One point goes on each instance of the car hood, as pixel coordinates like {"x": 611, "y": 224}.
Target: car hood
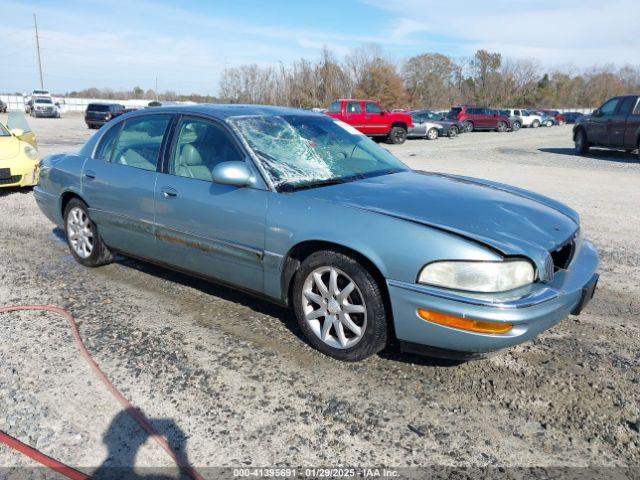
{"x": 508, "y": 219}
{"x": 9, "y": 147}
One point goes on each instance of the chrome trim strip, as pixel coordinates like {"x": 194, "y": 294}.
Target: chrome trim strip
{"x": 544, "y": 295}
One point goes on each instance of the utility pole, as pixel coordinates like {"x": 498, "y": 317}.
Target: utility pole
{"x": 156, "y": 89}
{"x": 35, "y": 24}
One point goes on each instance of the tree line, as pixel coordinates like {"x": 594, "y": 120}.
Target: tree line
{"x": 429, "y": 80}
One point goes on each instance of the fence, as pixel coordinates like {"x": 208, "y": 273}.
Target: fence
{"x": 18, "y": 102}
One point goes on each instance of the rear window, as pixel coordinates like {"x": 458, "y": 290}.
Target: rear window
{"x": 97, "y": 107}
{"x": 453, "y": 113}
{"x": 335, "y": 107}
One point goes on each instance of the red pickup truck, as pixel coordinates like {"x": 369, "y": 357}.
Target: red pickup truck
{"x": 371, "y": 119}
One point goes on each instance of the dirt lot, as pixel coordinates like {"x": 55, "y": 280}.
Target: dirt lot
{"x": 230, "y": 380}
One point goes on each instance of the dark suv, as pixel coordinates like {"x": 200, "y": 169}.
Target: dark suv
{"x": 98, "y": 114}
{"x": 479, "y": 118}
{"x": 616, "y": 124}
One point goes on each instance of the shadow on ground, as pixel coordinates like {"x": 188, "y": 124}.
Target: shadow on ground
{"x": 123, "y": 439}
{"x": 597, "y": 154}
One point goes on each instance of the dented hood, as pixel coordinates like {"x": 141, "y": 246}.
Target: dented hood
{"x": 508, "y": 219}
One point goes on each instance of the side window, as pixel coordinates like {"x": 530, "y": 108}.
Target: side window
{"x": 335, "y": 107}
{"x": 516, "y": 112}
{"x": 108, "y": 140}
{"x": 626, "y": 105}
{"x": 140, "y": 140}
{"x": 354, "y": 107}
{"x": 609, "y": 107}
{"x": 200, "y": 146}
{"x": 418, "y": 118}
{"x": 636, "y": 111}
{"x": 372, "y": 108}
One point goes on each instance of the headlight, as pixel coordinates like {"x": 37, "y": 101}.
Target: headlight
{"x": 478, "y": 276}
{"x": 31, "y": 152}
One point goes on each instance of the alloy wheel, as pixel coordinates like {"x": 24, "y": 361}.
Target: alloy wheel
{"x": 79, "y": 232}
{"x": 334, "y": 308}
{"x": 432, "y": 134}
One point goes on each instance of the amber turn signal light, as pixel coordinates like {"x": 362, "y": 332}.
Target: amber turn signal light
{"x": 463, "y": 323}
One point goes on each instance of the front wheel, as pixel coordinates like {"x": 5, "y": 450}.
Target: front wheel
{"x": 581, "y": 143}
{"x": 516, "y": 126}
{"x": 468, "y": 126}
{"x": 397, "y": 135}
{"x": 339, "y": 306}
{"x": 549, "y": 123}
{"x": 453, "y": 131}
{"x": 83, "y": 238}
{"x": 535, "y": 124}
{"x": 501, "y": 127}
{"x": 432, "y": 134}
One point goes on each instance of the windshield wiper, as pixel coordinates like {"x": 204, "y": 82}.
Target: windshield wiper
{"x": 292, "y": 187}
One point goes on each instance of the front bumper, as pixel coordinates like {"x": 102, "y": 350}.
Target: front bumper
{"x": 530, "y": 310}
{"x": 20, "y": 176}
{"x": 45, "y": 114}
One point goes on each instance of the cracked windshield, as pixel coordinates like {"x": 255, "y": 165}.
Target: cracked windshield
{"x": 302, "y": 151}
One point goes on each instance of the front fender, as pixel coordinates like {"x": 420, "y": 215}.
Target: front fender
{"x": 398, "y": 248}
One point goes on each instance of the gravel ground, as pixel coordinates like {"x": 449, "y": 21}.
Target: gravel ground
{"x": 230, "y": 381}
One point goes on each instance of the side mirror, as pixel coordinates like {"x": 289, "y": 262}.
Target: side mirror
{"x": 236, "y": 174}
{"x": 17, "y": 132}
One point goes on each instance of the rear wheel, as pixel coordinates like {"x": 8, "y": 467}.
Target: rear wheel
{"x": 397, "y": 135}
{"x": 516, "y": 126}
{"x": 432, "y": 134}
{"x": 549, "y": 123}
{"x": 83, "y": 238}
{"x": 535, "y": 124}
{"x": 501, "y": 127}
{"x": 468, "y": 126}
{"x": 339, "y": 306}
{"x": 453, "y": 131}
{"x": 581, "y": 143}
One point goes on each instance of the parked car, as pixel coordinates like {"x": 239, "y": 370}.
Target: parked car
{"x": 616, "y": 124}
{"x": 545, "y": 119}
{"x": 371, "y": 119}
{"x": 558, "y": 117}
{"x": 514, "y": 120}
{"x": 19, "y": 157}
{"x": 3, "y": 107}
{"x": 529, "y": 119}
{"x": 43, "y": 107}
{"x": 306, "y": 211}
{"x": 479, "y": 118}
{"x": 571, "y": 117}
{"x": 427, "y": 121}
{"x": 97, "y": 114}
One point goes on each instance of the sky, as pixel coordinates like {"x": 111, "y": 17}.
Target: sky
{"x": 187, "y": 44}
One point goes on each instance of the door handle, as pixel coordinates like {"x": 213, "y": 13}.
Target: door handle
{"x": 168, "y": 192}
{"x": 90, "y": 174}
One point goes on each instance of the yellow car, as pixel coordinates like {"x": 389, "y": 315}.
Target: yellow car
{"x": 19, "y": 157}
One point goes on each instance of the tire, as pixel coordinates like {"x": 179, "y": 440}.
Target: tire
{"x": 309, "y": 300}
{"x": 535, "y": 124}
{"x": 397, "y": 135}
{"x": 549, "y": 123}
{"x": 501, "y": 127}
{"x": 453, "y": 131}
{"x": 468, "y": 126}
{"x": 581, "y": 142}
{"x": 516, "y": 126}
{"x": 432, "y": 134}
{"x": 77, "y": 220}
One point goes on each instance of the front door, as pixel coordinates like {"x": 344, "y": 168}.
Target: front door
{"x": 374, "y": 118}
{"x": 118, "y": 183}
{"x": 204, "y": 227}
{"x": 598, "y": 128}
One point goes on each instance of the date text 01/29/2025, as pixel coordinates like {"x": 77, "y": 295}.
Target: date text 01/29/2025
{"x": 315, "y": 472}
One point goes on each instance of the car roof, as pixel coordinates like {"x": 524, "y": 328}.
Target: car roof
{"x": 222, "y": 111}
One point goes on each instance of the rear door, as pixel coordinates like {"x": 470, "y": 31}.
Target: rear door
{"x": 375, "y": 119}
{"x": 618, "y": 123}
{"x": 118, "y": 183}
{"x": 211, "y": 229}
{"x": 633, "y": 127}
{"x": 354, "y": 115}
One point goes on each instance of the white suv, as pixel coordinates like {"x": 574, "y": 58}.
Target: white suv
{"x": 529, "y": 119}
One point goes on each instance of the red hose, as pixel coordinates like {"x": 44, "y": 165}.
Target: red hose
{"x": 137, "y": 415}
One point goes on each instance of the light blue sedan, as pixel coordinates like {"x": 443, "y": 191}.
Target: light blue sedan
{"x": 306, "y": 211}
